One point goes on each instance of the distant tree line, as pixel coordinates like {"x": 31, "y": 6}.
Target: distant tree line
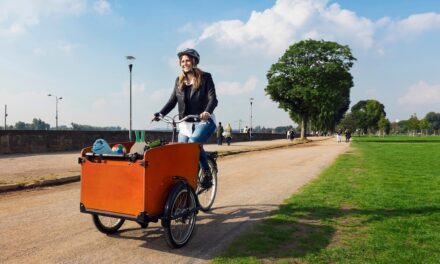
{"x": 38, "y": 124}
{"x": 369, "y": 117}
{"x": 276, "y": 130}
{"x": 429, "y": 125}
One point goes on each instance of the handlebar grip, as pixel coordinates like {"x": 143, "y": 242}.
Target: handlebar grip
{"x": 157, "y": 117}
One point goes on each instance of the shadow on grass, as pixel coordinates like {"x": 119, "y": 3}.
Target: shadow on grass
{"x": 390, "y": 140}
{"x": 292, "y": 231}
{"x": 295, "y": 232}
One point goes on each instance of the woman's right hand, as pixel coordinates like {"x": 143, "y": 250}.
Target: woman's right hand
{"x": 156, "y": 117}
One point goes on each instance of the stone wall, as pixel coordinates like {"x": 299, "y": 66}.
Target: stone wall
{"x": 36, "y": 141}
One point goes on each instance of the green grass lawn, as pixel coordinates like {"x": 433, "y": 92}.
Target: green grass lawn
{"x": 378, "y": 203}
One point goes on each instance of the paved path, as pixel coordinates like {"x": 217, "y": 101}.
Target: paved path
{"x": 26, "y": 169}
{"x": 45, "y": 225}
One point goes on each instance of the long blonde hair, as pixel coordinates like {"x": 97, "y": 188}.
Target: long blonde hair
{"x": 197, "y": 79}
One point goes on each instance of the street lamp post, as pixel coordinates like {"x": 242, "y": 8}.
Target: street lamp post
{"x": 56, "y": 109}
{"x": 250, "y": 133}
{"x": 6, "y": 114}
{"x": 130, "y": 60}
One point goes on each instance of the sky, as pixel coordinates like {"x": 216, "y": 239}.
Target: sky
{"x": 76, "y": 49}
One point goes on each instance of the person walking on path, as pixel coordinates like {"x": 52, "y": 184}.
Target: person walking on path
{"x": 194, "y": 93}
{"x": 291, "y": 134}
{"x": 347, "y": 135}
{"x": 220, "y": 134}
{"x": 339, "y": 135}
{"x": 228, "y": 134}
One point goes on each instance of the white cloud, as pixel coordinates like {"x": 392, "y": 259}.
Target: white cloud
{"x": 416, "y": 24}
{"x": 102, "y": 7}
{"x": 273, "y": 29}
{"x": 17, "y": 16}
{"x": 421, "y": 93}
{"x": 234, "y": 88}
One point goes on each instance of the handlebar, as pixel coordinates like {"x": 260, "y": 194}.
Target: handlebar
{"x": 171, "y": 120}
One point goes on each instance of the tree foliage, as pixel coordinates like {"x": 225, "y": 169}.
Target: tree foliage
{"x": 413, "y": 124}
{"x": 76, "y": 126}
{"x": 424, "y": 125}
{"x": 367, "y": 114}
{"x": 433, "y": 120}
{"x": 348, "y": 122}
{"x": 37, "y": 124}
{"x": 311, "y": 81}
{"x": 384, "y": 125}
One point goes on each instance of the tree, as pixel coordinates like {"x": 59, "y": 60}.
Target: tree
{"x": 424, "y": 125}
{"x": 413, "y": 124}
{"x": 367, "y": 114}
{"x": 384, "y": 125}
{"x": 347, "y": 122}
{"x": 434, "y": 121}
{"x": 403, "y": 126}
{"x": 38, "y": 124}
{"x": 282, "y": 129}
{"x": 76, "y": 126}
{"x": 21, "y": 125}
{"x": 312, "y": 82}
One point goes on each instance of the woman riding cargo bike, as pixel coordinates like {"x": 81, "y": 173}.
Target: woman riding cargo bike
{"x": 194, "y": 93}
{"x": 166, "y": 182}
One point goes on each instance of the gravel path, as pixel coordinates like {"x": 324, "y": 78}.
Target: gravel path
{"x": 45, "y": 225}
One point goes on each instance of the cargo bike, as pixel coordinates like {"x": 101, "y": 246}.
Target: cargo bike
{"x": 162, "y": 184}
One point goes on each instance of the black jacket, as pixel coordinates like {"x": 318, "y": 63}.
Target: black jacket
{"x": 202, "y": 100}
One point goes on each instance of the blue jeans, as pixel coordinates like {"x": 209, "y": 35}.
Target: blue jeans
{"x": 201, "y": 134}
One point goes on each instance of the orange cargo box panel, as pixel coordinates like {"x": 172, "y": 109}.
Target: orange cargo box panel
{"x": 163, "y": 164}
{"x": 130, "y": 188}
{"x": 114, "y": 186}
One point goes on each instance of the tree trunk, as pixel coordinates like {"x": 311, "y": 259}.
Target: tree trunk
{"x": 304, "y": 127}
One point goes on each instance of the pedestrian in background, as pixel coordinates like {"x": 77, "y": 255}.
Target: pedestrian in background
{"x": 228, "y": 134}
{"x": 292, "y": 134}
{"x": 339, "y": 135}
{"x": 347, "y": 135}
{"x": 219, "y": 134}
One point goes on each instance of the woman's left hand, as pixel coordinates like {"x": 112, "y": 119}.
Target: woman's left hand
{"x": 205, "y": 116}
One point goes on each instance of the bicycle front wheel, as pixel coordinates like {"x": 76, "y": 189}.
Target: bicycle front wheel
{"x": 206, "y": 197}
{"x": 180, "y": 213}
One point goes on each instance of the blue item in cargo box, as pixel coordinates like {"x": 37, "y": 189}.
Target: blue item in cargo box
{"x": 101, "y": 147}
